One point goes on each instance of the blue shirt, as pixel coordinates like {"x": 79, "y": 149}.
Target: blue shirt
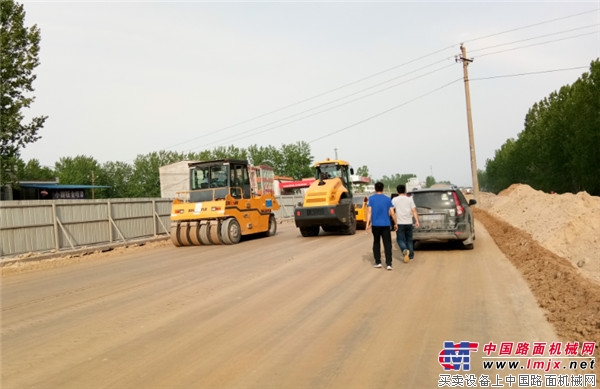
{"x": 380, "y": 210}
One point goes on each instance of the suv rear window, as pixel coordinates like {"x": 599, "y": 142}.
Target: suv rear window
{"x": 434, "y": 200}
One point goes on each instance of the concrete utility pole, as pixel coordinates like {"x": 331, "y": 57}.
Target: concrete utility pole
{"x": 466, "y": 61}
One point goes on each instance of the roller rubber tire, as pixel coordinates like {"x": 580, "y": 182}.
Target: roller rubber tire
{"x": 310, "y": 231}
{"x": 214, "y": 233}
{"x": 231, "y": 233}
{"x": 174, "y": 233}
{"x": 183, "y": 234}
{"x": 204, "y": 234}
{"x": 272, "y": 226}
{"x": 195, "y": 234}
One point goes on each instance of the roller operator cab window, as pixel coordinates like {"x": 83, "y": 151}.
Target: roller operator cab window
{"x": 330, "y": 171}
{"x": 209, "y": 177}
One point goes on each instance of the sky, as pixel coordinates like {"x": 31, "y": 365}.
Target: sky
{"x": 373, "y": 83}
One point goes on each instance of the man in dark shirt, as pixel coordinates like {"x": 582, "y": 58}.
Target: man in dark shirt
{"x": 379, "y": 211}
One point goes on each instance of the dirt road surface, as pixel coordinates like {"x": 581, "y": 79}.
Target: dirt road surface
{"x": 279, "y": 312}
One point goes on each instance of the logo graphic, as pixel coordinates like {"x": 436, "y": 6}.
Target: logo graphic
{"x": 455, "y": 356}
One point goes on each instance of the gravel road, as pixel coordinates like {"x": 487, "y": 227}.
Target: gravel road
{"x": 278, "y": 312}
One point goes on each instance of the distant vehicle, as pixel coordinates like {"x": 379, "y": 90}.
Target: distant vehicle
{"x": 444, "y": 215}
{"x": 412, "y": 184}
{"x": 360, "y": 209}
{"x": 468, "y": 190}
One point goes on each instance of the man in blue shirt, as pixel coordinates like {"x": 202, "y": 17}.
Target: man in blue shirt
{"x": 379, "y": 211}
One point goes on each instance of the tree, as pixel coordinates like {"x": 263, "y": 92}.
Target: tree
{"x": 82, "y": 170}
{"x": 482, "y": 180}
{"x": 145, "y": 180}
{"x": 119, "y": 179}
{"x": 429, "y": 181}
{"x": 268, "y": 155}
{"x": 205, "y": 155}
{"x": 558, "y": 148}
{"x": 291, "y": 160}
{"x": 392, "y": 182}
{"x": 19, "y": 56}
{"x": 33, "y": 171}
{"x": 297, "y": 160}
{"x": 79, "y": 170}
{"x": 230, "y": 152}
{"x": 363, "y": 171}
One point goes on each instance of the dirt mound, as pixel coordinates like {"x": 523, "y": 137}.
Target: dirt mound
{"x": 553, "y": 240}
{"x": 566, "y": 224}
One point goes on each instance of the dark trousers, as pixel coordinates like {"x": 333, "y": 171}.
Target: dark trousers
{"x": 382, "y": 234}
{"x": 404, "y": 238}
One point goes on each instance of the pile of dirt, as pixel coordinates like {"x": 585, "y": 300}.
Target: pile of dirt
{"x": 553, "y": 240}
{"x": 566, "y": 224}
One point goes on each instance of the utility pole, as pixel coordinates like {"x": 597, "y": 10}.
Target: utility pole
{"x": 335, "y": 153}
{"x": 93, "y": 180}
{"x": 466, "y": 61}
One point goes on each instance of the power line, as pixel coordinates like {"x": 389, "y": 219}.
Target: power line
{"x": 529, "y": 73}
{"x": 319, "y": 95}
{"x": 435, "y": 90}
{"x": 384, "y": 112}
{"x": 379, "y": 91}
{"x": 539, "y": 44}
{"x": 533, "y": 25}
{"x": 374, "y": 86}
{"x": 536, "y": 37}
{"x": 327, "y": 109}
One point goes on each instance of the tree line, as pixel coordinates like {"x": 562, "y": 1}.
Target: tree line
{"x": 141, "y": 178}
{"x": 559, "y": 148}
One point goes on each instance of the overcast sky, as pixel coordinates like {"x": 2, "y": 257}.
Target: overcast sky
{"x": 376, "y": 83}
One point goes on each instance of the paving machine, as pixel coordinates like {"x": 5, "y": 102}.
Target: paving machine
{"x": 227, "y": 200}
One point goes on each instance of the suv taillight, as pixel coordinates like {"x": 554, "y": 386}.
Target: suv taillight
{"x": 459, "y": 208}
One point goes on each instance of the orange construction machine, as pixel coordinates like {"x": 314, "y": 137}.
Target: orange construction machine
{"x": 227, "y": 199}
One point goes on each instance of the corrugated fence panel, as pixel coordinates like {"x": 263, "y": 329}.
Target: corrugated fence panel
{"x": 286, "y": 205}
{"x": 162, "y": 223}
{"x": 83, "y": 223}
{"x": 26, "y": 228}
{"x": 133, "y": 218}
{"x": 42, "y": 225}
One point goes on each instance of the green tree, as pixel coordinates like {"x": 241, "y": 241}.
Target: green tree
{"x": 19, "y": 56}
{"x": 34, "y": 171}
{"x": 429, "y": 181}
{"x": 363, "y": 171}
{"x": 230, "y": 152}
{"x": 269, "y": 155}
{"x": 82, "y": 170}
{"x": 297, "y": 160}
{"x": 79, "y": 170}
{"x": 145, "y": 179}
{"x": 119, "y": 179}
{"x": 392, "y": 182}
{"x": 500, "y": 170}
{"x": 205, "y": 155}
{"x": 482, "y": 180}
{"x": 583, "y": 144}
{"x": 558, "y": 150}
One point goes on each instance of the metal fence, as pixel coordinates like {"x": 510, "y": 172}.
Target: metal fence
{"x": 53, "y": 225}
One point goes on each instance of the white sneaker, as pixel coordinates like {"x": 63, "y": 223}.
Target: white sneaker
{"x": 389, "y": 268}
{"x": 378, "y": 265}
